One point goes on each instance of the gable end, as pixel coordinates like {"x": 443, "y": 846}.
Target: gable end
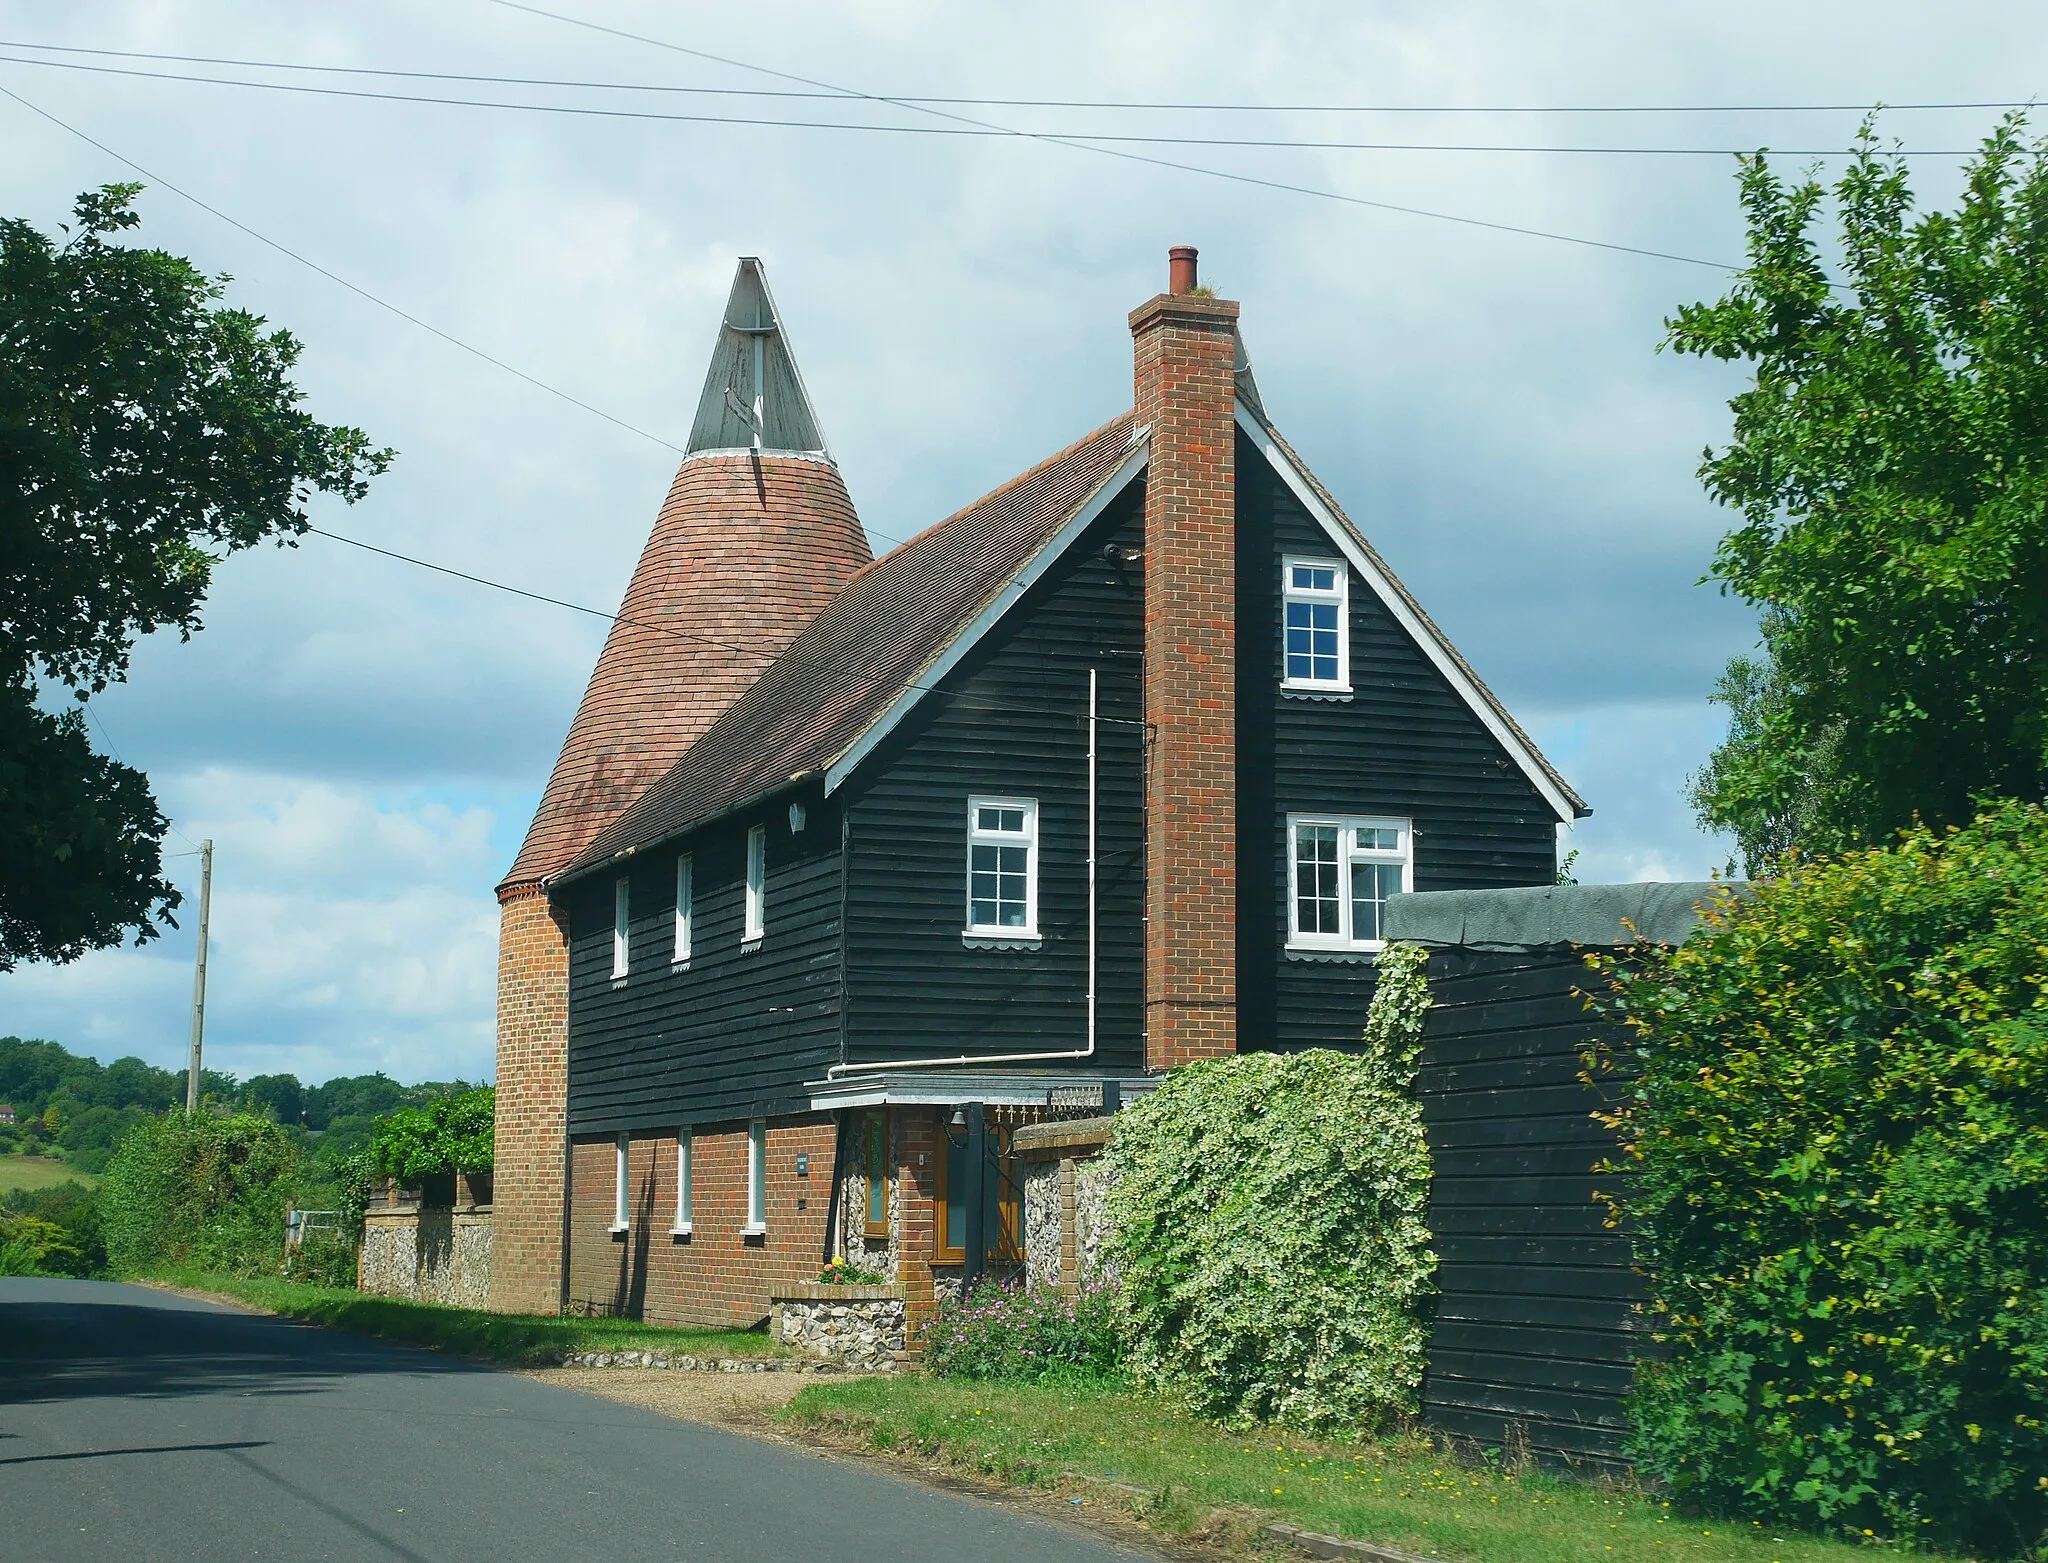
{"x": 1566, "y": 804}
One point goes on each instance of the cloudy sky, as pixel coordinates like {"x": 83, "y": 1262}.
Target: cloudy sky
{"x": 365, "y": 741}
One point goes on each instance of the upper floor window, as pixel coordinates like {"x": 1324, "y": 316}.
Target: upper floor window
{"x": 1002, "y": 867}
{"x": 622, "y": 926}
{"x": 684, "y": 907}
{"x": 757, "y": 883}
{"x": 1340, "y": 873}
{"x": 1318, "y": 651}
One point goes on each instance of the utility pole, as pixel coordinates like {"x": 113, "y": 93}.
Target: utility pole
{"x": 199, "y": 975}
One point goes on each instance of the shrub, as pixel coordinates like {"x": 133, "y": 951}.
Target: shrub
{"x": 195, "y": 1189}
{"x": 1266, "y": 1220}
{"x": 1017, "y": 1336}
{"x": 73, "y": 1209}
{"x": 842, "y": 1271}
{"x": 32, "y": 1247}
{"x": 452, "y": 1134}
{"x": 323, "y": 1258}
{"x": 1839, "y": 1150}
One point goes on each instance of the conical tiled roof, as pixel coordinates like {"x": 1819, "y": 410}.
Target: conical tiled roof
{"x": 749, "y": 549}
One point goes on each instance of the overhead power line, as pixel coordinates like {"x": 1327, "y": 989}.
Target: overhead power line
{"x": 1111, "y": 104}
{"x": 1097, "y": 138}
{"x": 1124, "y": 155}
{"x": 336, "y": 277}
{"x": 666, "y": 629}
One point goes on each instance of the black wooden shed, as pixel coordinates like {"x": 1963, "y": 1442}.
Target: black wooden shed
{"x": 1538, "y": 1322}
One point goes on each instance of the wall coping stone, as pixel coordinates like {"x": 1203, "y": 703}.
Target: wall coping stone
{"x": 1074, "y": 1134}
{"x": 819, "y": 1291}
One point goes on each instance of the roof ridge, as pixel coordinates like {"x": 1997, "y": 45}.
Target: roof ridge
{"x": 997, "y": 492}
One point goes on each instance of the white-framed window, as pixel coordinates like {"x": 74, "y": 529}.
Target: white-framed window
{"x": 1316, "y": 653}
{"x": 757, "y": 884}
{"x": 757, "y": 1178}
{"x": 1339, "y": 875}
{"x": 622, "y": 926}
{"x": 622, "y": 1187}
{"x": 685, "y": 896}
{"x": 684, "y": 1172}
{"x": 1002, "y": 867}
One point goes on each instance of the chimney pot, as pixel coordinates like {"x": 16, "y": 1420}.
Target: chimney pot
{"x": 1180, "y": 268}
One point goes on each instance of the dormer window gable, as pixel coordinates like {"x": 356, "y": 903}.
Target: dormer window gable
{"x": 1315, "y": 651}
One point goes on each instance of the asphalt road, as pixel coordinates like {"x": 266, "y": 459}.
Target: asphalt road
{"x": 137, "y": 1427}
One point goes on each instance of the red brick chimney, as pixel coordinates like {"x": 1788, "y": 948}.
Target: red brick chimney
{"x": 1186, "y": 352}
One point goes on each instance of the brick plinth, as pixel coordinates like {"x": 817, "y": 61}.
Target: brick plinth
{"x": 533, "y": 1098}
{"x": 1185, "y": 358}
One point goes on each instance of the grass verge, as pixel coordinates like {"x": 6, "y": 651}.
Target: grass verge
{"x": 38, "y": 1172}
{"x": 1399, "y": 1494}
{"x": 516, "y": 1340}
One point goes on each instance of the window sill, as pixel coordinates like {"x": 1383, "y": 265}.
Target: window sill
{"x": 1361, "y": 954}
{"x": 991, "y": 939}
{"x": 681, "y": 1229}
{"x": 618, "y": 982}
{"x": 750, "y": 944}
{"x": 682, "y": 965}
{"x": 1315, "y": 691}
{"x": 619, "y": 1228}
{"x": 753, "y": 1230}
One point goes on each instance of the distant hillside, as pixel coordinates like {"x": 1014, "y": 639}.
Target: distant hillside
{"x": 82, "y": 1107}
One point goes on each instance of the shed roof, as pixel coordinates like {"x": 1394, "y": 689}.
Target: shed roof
{"x": 1548, "y": 916}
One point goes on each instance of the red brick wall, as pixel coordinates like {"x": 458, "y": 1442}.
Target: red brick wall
{"x": 714, "y": 1276}
{"x": 533, "y": 1102}
{"x": 1185, "y": 354}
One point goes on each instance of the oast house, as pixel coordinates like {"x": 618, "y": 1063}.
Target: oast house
{"x": 850, "y": 866}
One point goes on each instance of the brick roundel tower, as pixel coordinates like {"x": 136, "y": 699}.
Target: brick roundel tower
{"x": 757, "y": 536}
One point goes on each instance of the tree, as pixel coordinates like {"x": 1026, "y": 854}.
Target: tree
{"x": 1890, "y": 463}
{"x": 146, "y": 432}
{"x": 278, "y": 1097}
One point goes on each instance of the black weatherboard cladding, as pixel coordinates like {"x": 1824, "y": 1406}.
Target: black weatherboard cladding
{"x": 736, "y": 1033}
{"x": 1012, "y": 722}
{"x": 1405, "y": 744}
{"x": 1537, "y": 1316}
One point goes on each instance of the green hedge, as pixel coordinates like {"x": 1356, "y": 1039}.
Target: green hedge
{"x": 193, "y": 1189}
{"x": 452, "y": 1134}
{"x": 1267, "y": 1226}
{"x": 1839, "y": 1159}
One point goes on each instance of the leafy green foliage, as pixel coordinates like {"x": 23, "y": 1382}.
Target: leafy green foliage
{"x": 279, "y": 1098}
{"x": 1266, "y": 1223}
{"x": 1010, "y": 1334}
{"x": 1890, "y": 463}
{"x": 73, "y": 1210}
{"x": 1838, "y": 1148}
{"x": 29, "y": 1246}
{"x": 452, "y": 1134}
{"x": 80, "y": 837}
{"x": 146, "y": 431}
{"x": 200, "y": 1190}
